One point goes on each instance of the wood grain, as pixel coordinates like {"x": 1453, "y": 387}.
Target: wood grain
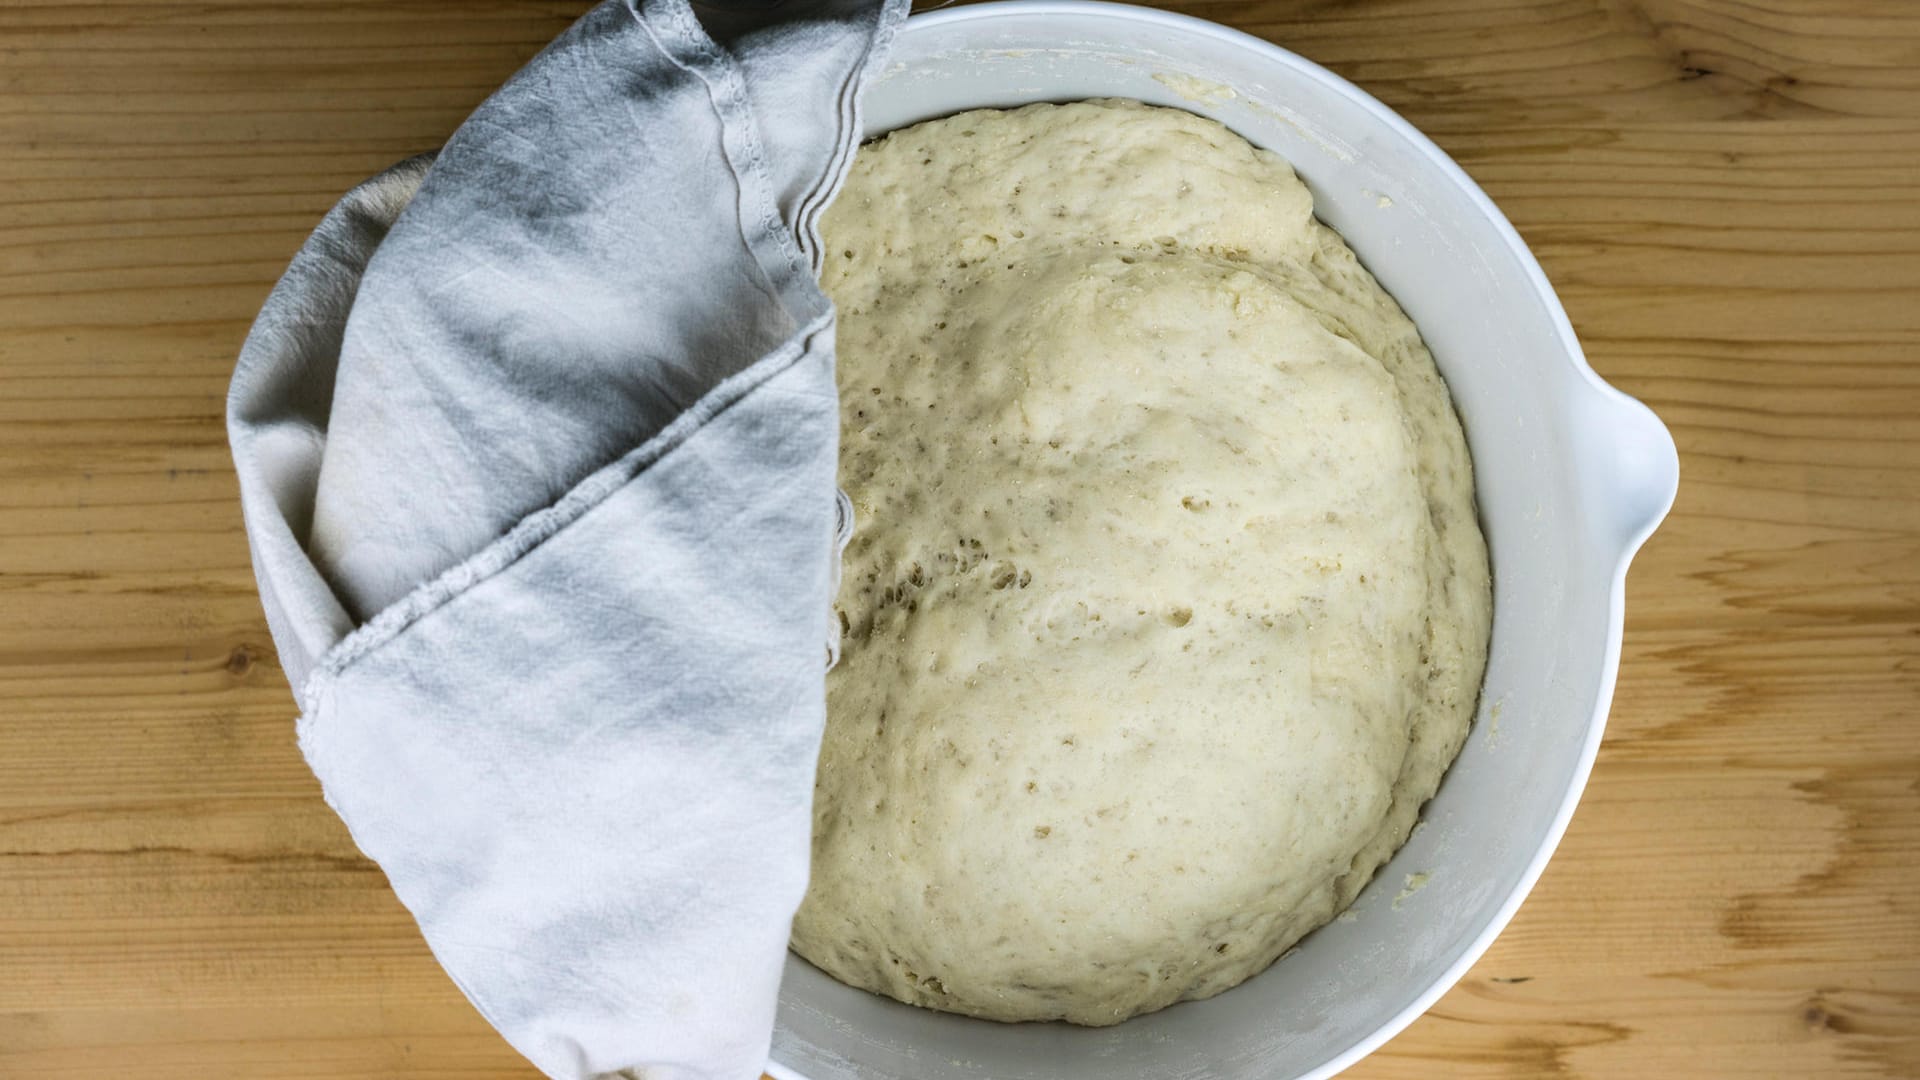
{"x": 1724, "y": 193}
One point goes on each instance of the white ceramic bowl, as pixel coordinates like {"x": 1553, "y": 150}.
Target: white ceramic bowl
{"x": 1572, "y": 477}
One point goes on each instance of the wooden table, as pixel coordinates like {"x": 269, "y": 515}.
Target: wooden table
{"x": 1724, "y": 193}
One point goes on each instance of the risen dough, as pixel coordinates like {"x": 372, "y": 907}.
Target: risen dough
{"x": 1167, "y": 607}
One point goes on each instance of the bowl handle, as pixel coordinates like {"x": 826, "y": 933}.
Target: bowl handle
{"x": 1631, "y": 464}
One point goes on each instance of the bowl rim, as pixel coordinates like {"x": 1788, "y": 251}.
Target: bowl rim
{"x": 1662, "y": 476}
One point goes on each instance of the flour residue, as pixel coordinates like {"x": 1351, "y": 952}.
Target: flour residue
{"x": 1414, "y": 883}
{"x": 1199, "y": 91}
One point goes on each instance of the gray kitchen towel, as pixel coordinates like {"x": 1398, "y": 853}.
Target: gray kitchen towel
{"x": 536, "y": 443}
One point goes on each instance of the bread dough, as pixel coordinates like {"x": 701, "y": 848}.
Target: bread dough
{"x": 1167, "y": 606}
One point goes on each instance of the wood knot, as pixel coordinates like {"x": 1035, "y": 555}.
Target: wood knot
{"x": 240, "y": 661}
{"x": 1818, "y": 1017}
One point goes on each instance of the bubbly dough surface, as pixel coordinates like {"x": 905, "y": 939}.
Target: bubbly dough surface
{"x": 1167, "y": 606}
